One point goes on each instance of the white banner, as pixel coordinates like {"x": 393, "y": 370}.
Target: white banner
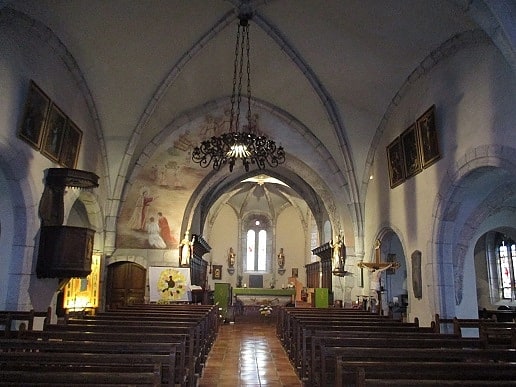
{"x": 168, "y": 284}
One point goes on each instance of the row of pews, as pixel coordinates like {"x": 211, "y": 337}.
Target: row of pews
{"x": 350, "y": 347}
{"x": 140, "y": 345}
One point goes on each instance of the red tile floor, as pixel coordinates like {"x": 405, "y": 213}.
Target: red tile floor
{"x": 248, "y": 354}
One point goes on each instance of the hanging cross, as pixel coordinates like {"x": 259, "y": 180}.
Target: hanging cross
{"x": 378, "y": 264}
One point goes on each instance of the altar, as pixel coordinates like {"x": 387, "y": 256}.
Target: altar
{"x": 262, "y": 296}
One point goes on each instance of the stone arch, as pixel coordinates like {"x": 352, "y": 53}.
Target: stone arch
{"x": 482, "y": 184}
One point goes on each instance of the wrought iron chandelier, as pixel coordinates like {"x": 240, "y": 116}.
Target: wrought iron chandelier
{"x": 244, "y": 143}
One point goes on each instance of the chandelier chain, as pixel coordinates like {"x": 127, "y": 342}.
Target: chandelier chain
{"x": 244, "y": 144}
{"x": 249, "y": 115}
{"x": 233, "y": 93}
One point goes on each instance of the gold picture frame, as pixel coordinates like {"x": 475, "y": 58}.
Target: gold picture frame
{"x": 396, "y": 163}
{"x": 217, "y": 272}
{"x": 428, "y": 137}
{"x": 411, "y": 151}
{"x": 54, "y": 133}
{"x": 70, "y": 146}
{"x": 34, "y": 116}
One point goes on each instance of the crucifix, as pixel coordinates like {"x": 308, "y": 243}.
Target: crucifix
{"x": 376, "y": 268}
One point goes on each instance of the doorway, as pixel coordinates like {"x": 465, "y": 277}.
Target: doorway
{"x": 125, "y": 284}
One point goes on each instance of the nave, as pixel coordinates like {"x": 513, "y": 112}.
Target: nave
{"x": 248, "y": 355}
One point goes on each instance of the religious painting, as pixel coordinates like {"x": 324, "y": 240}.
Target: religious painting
{"x": 70, "y": 146}
{"x": 169, "y": 284}
{"x": 411, "y": 151}
{"x": 217, "y": 272}
{"x": 152, "y": 213}
{"x": 428, "y": 137}
{"x": 34, "y": 117}
{"x": 53, "y": 134}
{"x": 396, "y": 163}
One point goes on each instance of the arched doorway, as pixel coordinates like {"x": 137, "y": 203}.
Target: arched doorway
{"x": 125, "y": 284}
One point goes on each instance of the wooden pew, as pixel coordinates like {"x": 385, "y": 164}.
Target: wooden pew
{"x": 205, "y": 333}
{"x": 195, "y": 346}
{"x": 128, "y": 342}
{"x": 190, "y": 328}
{"x": 96, "y": 351}
{"x": 301, "y": 342}
{"x": 79, "y": 368}
{"x": 24, "y": 318}
{"x": 379, "y": 373}
{"x": 383, "y": 341}
{"x": 494, "y": 333}
{"x": 96, "y": 378}
{"x": 394, "y": 356}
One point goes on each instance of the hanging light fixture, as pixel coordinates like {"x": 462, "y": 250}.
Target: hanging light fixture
{"x": 240, "y": 143}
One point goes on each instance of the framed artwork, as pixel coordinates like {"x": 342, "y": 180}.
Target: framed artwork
{"x": 411, "y": 151}
{"x": 295, "y": 272}
{"x": 428, "y": 137}
{"x": 34, "y": 116}
{"x": 396, "y": 163}
{"x": 169, "y": 284}
{"x": 70, "y": 146}
{"x": 217, "y": 272}
{"x": 53, "y": 134}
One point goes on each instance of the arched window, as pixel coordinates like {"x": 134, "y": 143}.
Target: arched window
{"x": 257, "y": 244}
{"x": 506, "y": 265}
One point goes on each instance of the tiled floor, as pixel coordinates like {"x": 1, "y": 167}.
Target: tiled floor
{"x": 248, "y": 354}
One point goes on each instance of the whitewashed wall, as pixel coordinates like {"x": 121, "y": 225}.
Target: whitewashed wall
{"x": 474, "y": 93}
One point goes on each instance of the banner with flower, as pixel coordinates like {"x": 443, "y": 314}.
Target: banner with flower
{"x": 168, "y": 284}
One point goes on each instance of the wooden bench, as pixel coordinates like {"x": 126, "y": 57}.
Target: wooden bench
{"x": 22, "y": 353}
{"x": 316, "y": 362}
{"x": 206, "y": 331}
{"x": 492, "y": 332}
{"x": 96, "y": 378}
{"x": 24, "y": 320}
{"x": 64, "y": 368}
{"x": 379, "y": 373}
{"x": 79, "y": 341}
{"x": 196, "y": 349}
{"x": 301, "y": 342}
{"x": 393, "y": 356}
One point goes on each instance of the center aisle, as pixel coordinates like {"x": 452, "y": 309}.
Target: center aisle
{"x": 248, "y": 354}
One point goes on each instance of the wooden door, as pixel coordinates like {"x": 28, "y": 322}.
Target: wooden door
{"x": 125, "y": 284}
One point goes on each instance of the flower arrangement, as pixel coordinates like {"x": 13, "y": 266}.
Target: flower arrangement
{"x": 265, "y": 310}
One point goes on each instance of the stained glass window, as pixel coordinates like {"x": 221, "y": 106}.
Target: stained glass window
{"x": 507, "y": 267}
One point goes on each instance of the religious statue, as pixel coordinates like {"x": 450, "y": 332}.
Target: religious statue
{"x": 339, "y": 253}
{"x": 231, "y": 258}
{"x": 376, "y": 268}
{"x": 376, "y": 276}
{"x": 281, "y": 259}
{"x": 186, "y": 250}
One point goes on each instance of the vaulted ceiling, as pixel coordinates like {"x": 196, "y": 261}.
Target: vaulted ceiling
{"x": 332, "y": 67}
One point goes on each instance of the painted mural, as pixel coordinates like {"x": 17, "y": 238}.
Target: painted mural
{"x": 151, "y": 216}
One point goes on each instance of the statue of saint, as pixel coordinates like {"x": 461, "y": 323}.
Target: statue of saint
{"x": 339, "y": 252}
{"x": 185, "y": 250}
{"x": 231, "y": 257}
{"x": 281, "y": 259}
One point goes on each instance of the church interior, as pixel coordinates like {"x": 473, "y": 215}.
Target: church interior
{"x": 259, "y": 155}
